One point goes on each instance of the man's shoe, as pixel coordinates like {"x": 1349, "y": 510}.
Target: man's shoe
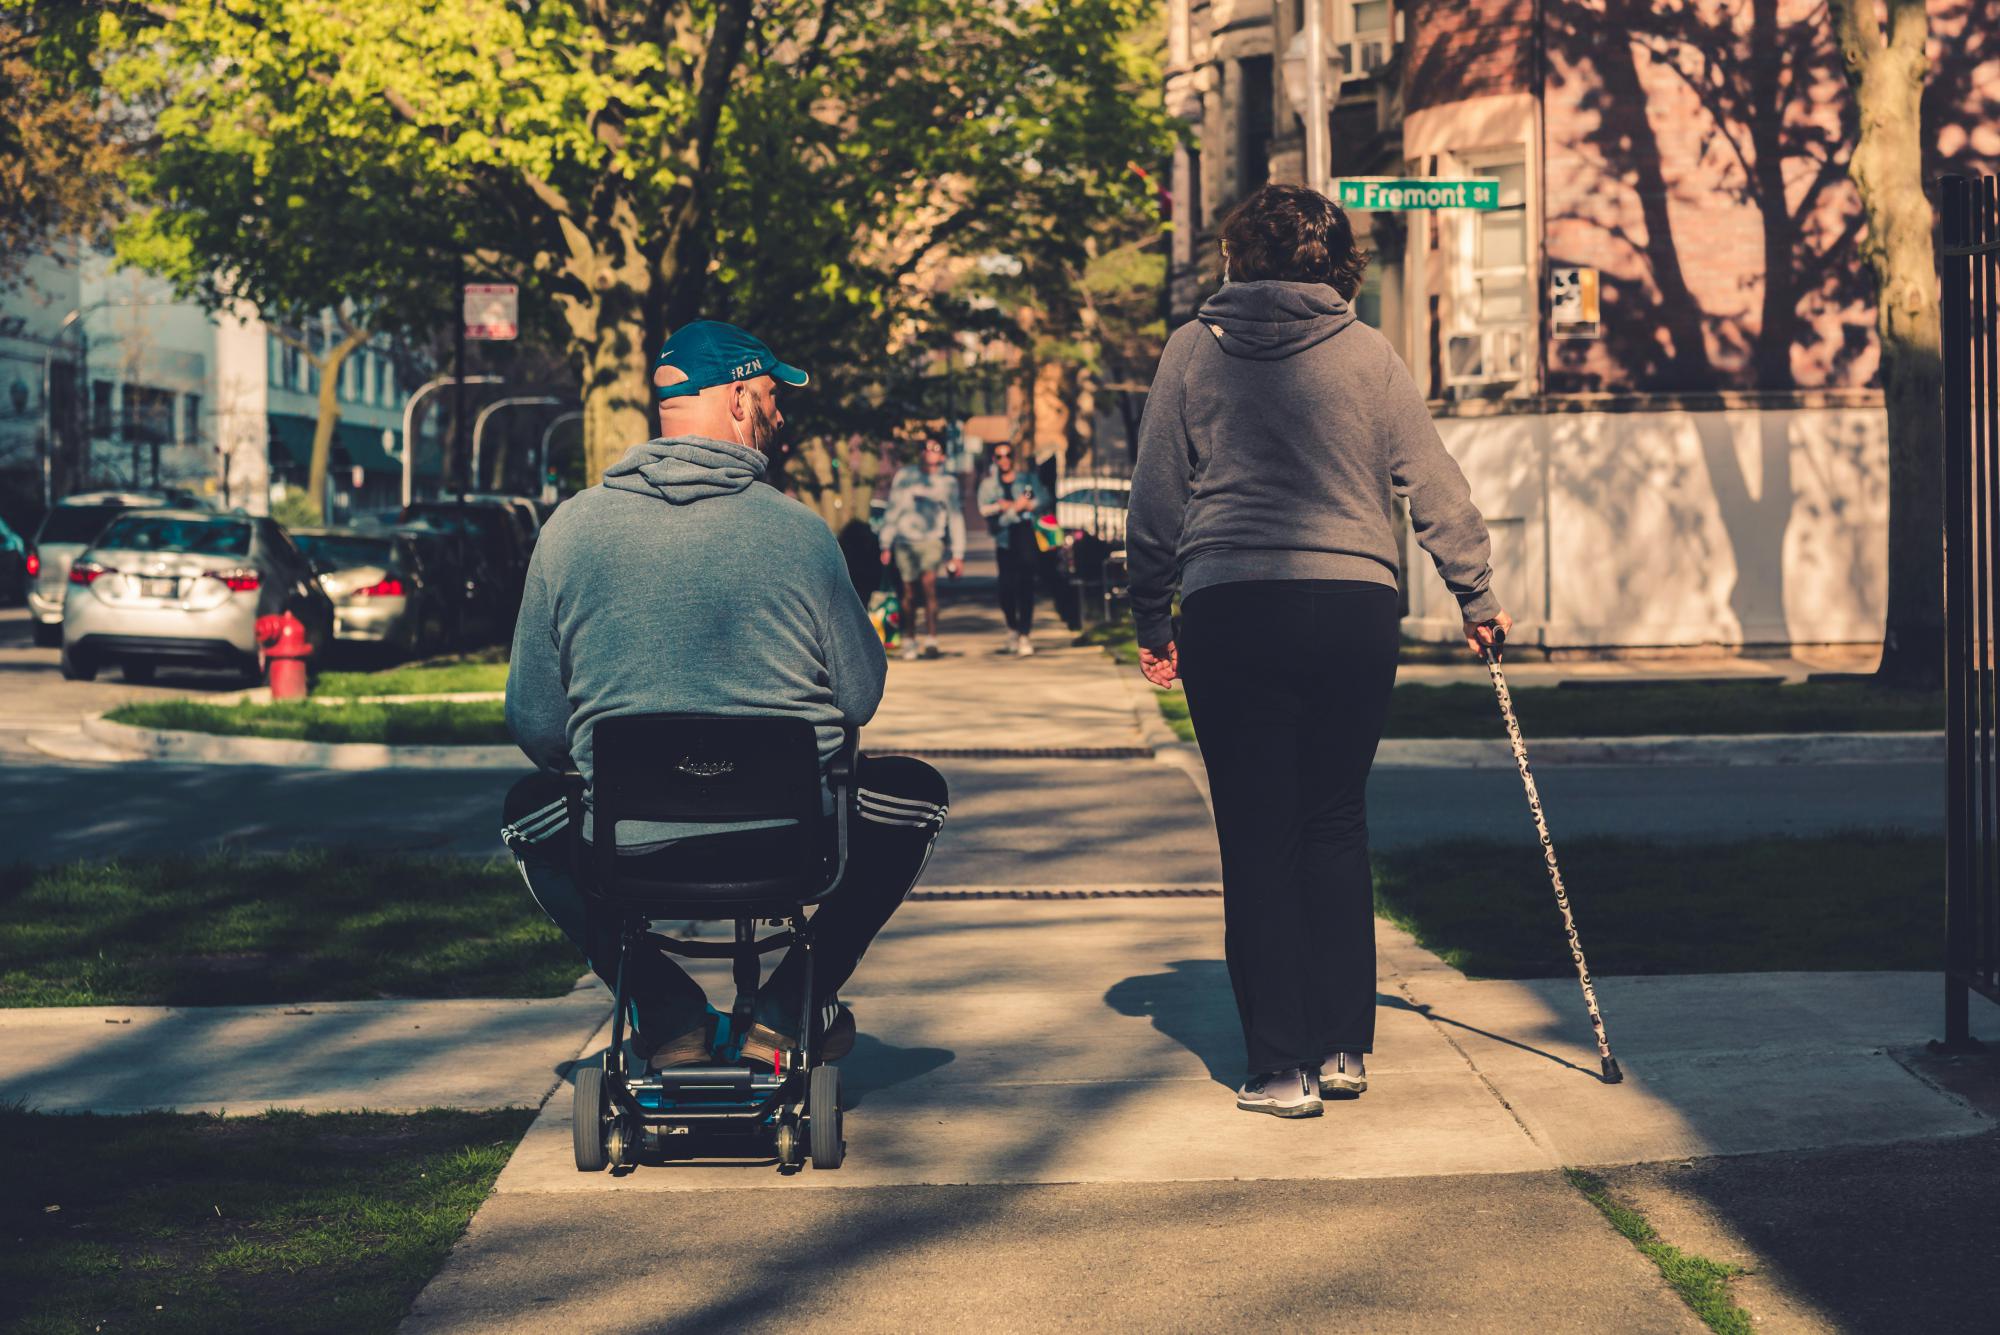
{"x": 1344, "y": 1073}
{"x": 762, "y": 1044}
{"x": 908, "y": 653}
{"x": 689, "y": 1049}
{"x": 931, "y": 649}
{"x": 1024, "y": 646}
{"x": 1292, "y": 1092}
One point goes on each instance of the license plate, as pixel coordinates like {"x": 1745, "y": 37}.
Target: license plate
{"x": 158, "y": 586}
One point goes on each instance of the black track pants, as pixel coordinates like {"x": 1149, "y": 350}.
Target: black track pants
{"x": 1288, "y": 686}
{"x": 1018, "y": 559}
{"x": 900, "y": 809}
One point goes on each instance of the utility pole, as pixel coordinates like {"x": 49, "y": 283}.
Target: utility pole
{"x": 1319, "y": 166}
{"x": 459, "y": 424}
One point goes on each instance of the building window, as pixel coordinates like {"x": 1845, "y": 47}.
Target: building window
{"x": 191, "y": 419}
{"x": 100, "y": 408}
{"x": 1366, "y": 36}
{"x": 1254, "y": 124}
{"x": 1493, "y": 315}
{"x": 148, "y": 414}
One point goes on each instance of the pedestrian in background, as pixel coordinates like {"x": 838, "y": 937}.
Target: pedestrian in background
{"x": 1276, "y": 435}
{"x": 1012, "y": 501}
{"x": 923, "y": 530}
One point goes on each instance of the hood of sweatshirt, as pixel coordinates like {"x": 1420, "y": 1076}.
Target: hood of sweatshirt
{"x": 683, "y": 469}
{"x": 1267, "y": 322}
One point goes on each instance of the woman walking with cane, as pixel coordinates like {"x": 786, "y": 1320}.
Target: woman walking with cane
{"x": 1277, "y": 432}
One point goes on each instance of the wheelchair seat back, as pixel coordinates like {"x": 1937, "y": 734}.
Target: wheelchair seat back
{"x": 673, "y": 768}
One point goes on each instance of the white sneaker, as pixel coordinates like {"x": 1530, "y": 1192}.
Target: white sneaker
{"x": 931, "y": 649}
{"x": 1024, "y": 646}
{"x": 1292, "y": 1092}
{"x": 908, "y": 652}
{"x": 1343, "y": 1073}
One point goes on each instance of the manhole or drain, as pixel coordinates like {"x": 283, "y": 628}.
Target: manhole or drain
{"x": 1026, "y": 752}
{"x": 1071, "y": 892}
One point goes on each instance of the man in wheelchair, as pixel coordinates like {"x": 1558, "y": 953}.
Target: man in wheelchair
{"x": 682, "y": 586}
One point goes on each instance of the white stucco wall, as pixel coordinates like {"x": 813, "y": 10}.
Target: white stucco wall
{"x": 1748, "y": 526}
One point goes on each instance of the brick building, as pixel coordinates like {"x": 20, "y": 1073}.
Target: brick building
{"x": 1656, "y": 359}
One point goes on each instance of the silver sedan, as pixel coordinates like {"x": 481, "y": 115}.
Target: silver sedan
{"x": 382, "y": 594}
{"x": 186, "y": 587}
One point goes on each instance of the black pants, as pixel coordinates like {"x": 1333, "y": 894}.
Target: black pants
{"x": 1288, "y": 686}
{"x": 1018, "y": 562}
{"x": 901, "y": 808}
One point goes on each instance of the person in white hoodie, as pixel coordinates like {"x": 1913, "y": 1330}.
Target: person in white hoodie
{"x": 923, "y": 530}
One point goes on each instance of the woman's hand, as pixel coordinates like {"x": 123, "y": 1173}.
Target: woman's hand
{"x": 1485, "y": 635}
{"x": 1161, "y": 666}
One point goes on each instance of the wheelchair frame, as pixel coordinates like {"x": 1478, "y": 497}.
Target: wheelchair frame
{"x": 621, "y": 1109}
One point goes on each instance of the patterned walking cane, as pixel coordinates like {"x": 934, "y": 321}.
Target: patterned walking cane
{"x": 1612, "y": 1075}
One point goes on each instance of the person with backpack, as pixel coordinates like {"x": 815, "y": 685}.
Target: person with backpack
{"x": 1012, "y": 501}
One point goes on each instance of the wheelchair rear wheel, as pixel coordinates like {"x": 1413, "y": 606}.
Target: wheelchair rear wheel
{"x": 823, "y": 1117}
{"x": 587, "y": 1120}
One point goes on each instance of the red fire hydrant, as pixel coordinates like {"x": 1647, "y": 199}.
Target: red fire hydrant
{"x": 283, "y": 640}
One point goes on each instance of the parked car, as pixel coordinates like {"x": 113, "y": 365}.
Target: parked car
{"x": 185, "y": 586}
{"x": 13, "y": 566}
{"x": 1094, "y": 505}
{"x": 490, "y": 524}
{"x": 383, "y": 591}
{"x": 527, "y": 515}
{"x": 485, "y": 610}
{"x": 65, "y": 531}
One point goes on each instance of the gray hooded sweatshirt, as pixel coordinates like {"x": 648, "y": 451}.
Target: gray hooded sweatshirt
{"x": 682, "y": 586}
{"x": 1276, "y": 433}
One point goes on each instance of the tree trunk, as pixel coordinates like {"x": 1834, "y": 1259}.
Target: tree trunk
{"x": 328, "y": 365}
{"x": 1887, "y": 73}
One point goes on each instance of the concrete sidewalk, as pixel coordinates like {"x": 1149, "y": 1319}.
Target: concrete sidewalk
{"x": 388, "y": 1056}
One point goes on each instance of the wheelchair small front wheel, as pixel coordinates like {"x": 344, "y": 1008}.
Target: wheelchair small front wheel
{"x": 788, "y": 1144}
{"x": 587, "y": 1121}
{"x": 823, "y": 1116}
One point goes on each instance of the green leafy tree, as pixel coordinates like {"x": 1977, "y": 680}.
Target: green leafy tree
{"x": 59, "y": 154}
{"x": 262, "y": 187}
{"x": 799, "y": 165}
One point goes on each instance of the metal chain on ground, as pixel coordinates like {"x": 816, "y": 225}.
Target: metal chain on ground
{"x": 1520, "y": 746}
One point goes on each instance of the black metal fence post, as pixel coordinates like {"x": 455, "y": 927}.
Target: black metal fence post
{"x": 1970, "y": 421}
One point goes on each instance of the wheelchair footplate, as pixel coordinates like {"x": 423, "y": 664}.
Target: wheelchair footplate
{"x": 722, "y": 1110}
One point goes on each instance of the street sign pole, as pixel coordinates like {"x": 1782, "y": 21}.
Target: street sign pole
{"x": 1319, "y": 165}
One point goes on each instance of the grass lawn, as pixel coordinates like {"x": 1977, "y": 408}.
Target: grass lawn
{"x": 431, "y": 723}
{"x": 1667, "y": 708}
{"x": 1849, "y": 901}
{"x": 1635, "y": 711}
{"x": 235, "y": 929}
{"x": 190, "y": 1223}
{"x": 440, "y": 676}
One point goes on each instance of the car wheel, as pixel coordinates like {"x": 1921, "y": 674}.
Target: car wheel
{"x": 75, "y": 667}
{"x": 138, "y": 671}
{"x": 47, "y": 635}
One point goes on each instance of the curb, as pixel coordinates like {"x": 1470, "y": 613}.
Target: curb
{"x": 207, "y": 748}
{"x": 202, "y": 748}
{"x": 1807, "y": 748}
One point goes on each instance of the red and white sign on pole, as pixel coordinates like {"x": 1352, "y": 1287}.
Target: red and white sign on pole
{"x": 492, "y": 311}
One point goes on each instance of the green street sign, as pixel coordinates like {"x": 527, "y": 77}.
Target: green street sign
{"x": 1404, "y": 194}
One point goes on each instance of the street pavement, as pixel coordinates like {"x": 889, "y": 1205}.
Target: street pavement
{"x": 1041, "y": 1133}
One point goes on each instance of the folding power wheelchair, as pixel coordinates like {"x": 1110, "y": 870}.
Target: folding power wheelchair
{"x": 681, "y": 768}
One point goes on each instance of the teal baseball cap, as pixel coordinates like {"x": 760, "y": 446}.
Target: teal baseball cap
{"x": 709, "y": 353}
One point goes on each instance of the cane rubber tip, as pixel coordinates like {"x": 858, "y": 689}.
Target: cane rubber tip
{"x": 1612, "y": 1075}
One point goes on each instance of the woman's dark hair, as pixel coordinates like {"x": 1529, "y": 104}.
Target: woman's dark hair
{"x": 1287, "y": 233}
